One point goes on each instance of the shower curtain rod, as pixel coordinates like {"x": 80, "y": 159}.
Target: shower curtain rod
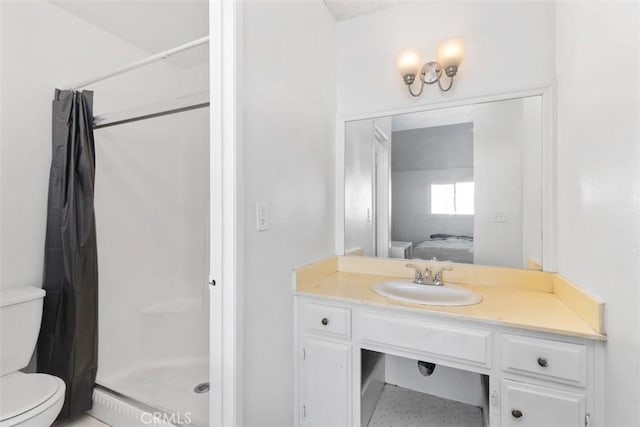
{"x": 151, "y": 116}
{"x": 154, "y": 58}
{"x": 177, "y": 105}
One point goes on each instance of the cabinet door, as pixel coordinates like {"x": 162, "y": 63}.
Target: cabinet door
{"x": 326, "y": 373}
{"x": 526, "y": 405}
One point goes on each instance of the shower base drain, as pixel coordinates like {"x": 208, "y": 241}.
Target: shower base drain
{"x": 201, "y": 388}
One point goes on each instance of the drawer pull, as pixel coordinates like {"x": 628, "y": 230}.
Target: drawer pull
{"x": 325, "y": 322}
{"x": 517, "y": 413}
{"x": 543, "y": 362}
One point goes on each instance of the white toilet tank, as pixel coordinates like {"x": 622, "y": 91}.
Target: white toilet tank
{"x": 20, "y": 316}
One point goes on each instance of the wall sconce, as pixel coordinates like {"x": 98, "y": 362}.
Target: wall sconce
{"x": 450, "y": 54}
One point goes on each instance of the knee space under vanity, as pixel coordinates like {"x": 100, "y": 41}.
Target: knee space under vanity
{"x": 397, "y": 390}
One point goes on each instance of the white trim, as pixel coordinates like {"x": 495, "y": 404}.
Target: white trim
{"x": 549, "y": 180}
{"x": 436, "y": 105}
{"x": 548, "y": 160}
{"x": 297, "y": 360}
{"x": 225, "y": 406}
{"x": 598, "y": 414}
{"x": 382, "y": 193}
{"x": 339, "y": 189}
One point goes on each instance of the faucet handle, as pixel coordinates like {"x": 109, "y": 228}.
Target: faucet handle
{"x": 437, "y": 278}
{"x": 415, "y": 267}
{"x": 418, "y": 277}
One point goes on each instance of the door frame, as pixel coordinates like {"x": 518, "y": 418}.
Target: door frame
{"x": 225, "y": 320}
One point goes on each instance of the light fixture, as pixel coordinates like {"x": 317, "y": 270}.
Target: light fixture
{"x": 450, "y": 54}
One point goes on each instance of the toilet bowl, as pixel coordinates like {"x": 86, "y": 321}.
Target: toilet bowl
{"x": 26, "y": 400}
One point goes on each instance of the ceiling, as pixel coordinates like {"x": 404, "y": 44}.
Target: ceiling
{"x": 158, "y": 25}
{"x": 151, "y": 25}
{"x": 347, "y": 9}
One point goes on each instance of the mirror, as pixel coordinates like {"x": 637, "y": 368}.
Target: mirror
{"x": 460, "y": 184}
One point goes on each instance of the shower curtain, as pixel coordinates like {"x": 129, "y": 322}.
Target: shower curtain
{"x": 68, "y": 341}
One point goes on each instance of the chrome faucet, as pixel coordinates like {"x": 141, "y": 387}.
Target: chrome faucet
{"x": 417, "y": 279}
{"x": 437, "y": 278}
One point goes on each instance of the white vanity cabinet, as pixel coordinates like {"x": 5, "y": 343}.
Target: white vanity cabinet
{"x": 535, "y": 379}
{"x": 527, "y": 405}
{"x": 325, "y": 383}
{"x": 325, "y": 360}
{"x": 546, "y": 382}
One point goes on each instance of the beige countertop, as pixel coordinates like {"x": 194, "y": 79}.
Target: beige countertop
{"x": 566, "y": 312}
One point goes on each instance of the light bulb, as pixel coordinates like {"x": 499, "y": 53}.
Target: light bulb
{"x": 408, "y": 62}
{"x": 451, "y": 53}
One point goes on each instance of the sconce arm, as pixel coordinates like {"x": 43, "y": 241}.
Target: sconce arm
{"x": 448, "y": 87}
{"x": 415, "y": 95}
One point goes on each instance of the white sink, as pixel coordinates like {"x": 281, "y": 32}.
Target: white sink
{"x": 427, "y": 294}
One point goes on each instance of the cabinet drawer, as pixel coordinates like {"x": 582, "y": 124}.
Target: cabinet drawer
{"x": 468, "y": 345}
{"x": 525, "y": 405}
{"x": 552, "y": 360}
{"x": 326, "y": 319}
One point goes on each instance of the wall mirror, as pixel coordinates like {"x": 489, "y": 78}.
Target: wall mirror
{"x": 461, "y": 184}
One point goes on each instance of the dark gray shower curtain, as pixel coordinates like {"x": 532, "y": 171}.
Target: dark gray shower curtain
{"x": 68, "y": 342}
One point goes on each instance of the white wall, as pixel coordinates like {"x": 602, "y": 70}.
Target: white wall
{"x": 510, "y": 46}
{"x": 44, "y": 47}
{"x": 497, "y": 167}
{"x": 2, "y": 48}
{"x": 289, "y": 120}
{"x": 531, "y": 133}
{"x": 598, "y": 179}
{"x": 449, "y": 383}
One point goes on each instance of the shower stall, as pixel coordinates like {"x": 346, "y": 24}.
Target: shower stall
{"x": 152, "y": 225}
{"x": 152, "y": 216}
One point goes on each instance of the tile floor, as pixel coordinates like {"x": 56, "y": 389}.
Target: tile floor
{"x": 83, "y": 421}
{"x": 407, "y": 408}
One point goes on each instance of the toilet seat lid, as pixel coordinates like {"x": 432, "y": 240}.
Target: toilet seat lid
{"x": 21, "y": 392}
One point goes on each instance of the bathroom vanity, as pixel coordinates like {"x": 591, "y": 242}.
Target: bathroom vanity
{"x": 536, "y": 340}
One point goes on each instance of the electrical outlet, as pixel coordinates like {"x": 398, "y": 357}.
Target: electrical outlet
{"x": 262, "y": 216}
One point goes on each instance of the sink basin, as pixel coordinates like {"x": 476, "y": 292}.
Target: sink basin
{"x": 427, "y": 294}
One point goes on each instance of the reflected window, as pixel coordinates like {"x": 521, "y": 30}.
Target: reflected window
{"x": 452, "y": 199}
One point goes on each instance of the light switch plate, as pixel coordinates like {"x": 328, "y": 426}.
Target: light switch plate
{"x": 499, "y": 217}
{"x": 262, "y": 216}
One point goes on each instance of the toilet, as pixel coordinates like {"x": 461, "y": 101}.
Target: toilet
{"x": 26, "y": 400}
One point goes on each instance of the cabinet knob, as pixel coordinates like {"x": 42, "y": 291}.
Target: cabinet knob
{"x": 325, "y": 321}
{"x": 517, "y": 413}
{"x": 543, "y": 362}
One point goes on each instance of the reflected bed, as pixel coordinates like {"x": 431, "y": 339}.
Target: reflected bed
{"x": 453, "y": 249}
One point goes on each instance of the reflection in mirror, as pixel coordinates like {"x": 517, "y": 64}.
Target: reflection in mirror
{"x": 460, "y": 184}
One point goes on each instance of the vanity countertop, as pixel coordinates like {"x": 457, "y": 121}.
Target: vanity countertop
{"x": 542, "y": 302}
